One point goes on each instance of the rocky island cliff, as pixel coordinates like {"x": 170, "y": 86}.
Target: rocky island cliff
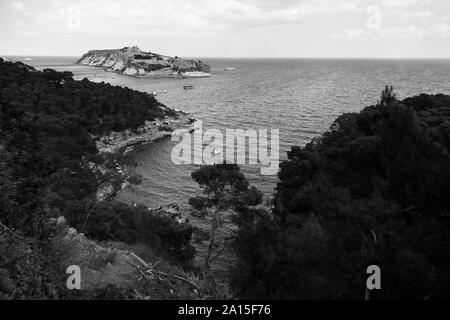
{"x": 133, "y": 61}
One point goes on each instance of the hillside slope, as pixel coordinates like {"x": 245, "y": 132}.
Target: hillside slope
{"x": 50, "y": 167}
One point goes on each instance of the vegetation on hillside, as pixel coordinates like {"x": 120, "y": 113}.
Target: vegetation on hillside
{"x": 374, "y": 190}
{"x": 50, "y": 167}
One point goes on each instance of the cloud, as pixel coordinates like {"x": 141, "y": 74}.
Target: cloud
{"x": 436, "y": 31}
{"x": 201, "y": 15}
{"x": 20, "y": 8}
{"x": 18, "y": 5}
{"x": 287, "y": 27}
{"x": 407, "y": 32}
{"x": 403, "y": 19}
{"x": 400, "y": 3}
{"x": 440, "y": 30}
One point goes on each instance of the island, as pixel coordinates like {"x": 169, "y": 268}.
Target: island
{"x": 132, "y": 61}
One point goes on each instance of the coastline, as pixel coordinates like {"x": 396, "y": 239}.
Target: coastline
{"x": 154, "y": 74}
{"x": 150, "y": 132}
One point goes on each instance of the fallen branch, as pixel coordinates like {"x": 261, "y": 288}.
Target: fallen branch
{"x": 151, "y": 268}
{"x": 218, "y": 254}
{"x": 140, "y": 260}
{"x": 6, "y": 228}
{"x": 180, "y": 278}
{"x": 141, "y": 272}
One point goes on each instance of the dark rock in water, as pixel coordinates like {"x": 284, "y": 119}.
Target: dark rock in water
{"x": 173, "y": 211}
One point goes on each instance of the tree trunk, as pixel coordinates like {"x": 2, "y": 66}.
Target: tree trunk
{"x": 212, "y": 240}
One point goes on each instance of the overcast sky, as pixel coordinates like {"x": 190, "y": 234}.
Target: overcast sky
{"x": 229, "y": 28}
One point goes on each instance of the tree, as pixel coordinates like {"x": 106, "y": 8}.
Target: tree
{"x": 387, "y": 96}
{"x": 224, "y": 188}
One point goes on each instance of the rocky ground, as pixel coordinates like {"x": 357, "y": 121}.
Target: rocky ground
{"x": 133, "y": 269}
{"x": 151, "y": 131}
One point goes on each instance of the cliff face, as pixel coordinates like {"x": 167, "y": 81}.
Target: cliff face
{"x": 134, "y": 62}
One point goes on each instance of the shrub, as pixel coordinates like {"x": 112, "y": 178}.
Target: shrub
{"x": 122, "y": 222}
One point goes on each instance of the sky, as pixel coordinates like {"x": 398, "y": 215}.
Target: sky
{"x": 229, "y": 28}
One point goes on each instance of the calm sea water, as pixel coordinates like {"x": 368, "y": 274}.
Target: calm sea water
{"x": 300, "y": 97}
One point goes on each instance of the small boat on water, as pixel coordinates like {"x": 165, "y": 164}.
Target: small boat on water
{"x": 188, "y": 87}
{"x": 229, "y": 69}
{"x": 217, "y": 151}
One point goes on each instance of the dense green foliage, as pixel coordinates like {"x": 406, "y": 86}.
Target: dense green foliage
{"x": 28, "y": 270}
{"x": 98, "y": 107}
{"x": 374, "y": 190}
{"x": 224, "y": 188}
{"x": 50, "y": 167}
{"x": 121, "y": 222}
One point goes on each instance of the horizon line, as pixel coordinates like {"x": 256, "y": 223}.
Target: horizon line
{"x": 250, "y": 57}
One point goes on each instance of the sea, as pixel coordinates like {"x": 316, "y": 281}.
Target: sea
{"x": 299, "y": 97}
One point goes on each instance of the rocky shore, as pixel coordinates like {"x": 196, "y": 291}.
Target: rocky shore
{"x": 132, "y": 61}
{"x": 149, "y": 132}
{"x": 123, "y": 142}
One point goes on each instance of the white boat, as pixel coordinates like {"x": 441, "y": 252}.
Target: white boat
{"x": 229, "y": 69}
{"x": 217, "y": 151}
